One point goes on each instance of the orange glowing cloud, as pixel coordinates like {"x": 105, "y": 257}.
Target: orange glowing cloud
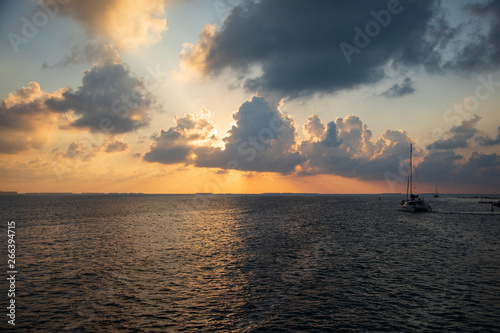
{"x": 125, "y": 23}
{"x": 195, "y": 56}
{"x": 25, "y": 119}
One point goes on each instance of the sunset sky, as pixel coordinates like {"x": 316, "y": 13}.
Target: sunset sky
{"x": 223, "y": 96}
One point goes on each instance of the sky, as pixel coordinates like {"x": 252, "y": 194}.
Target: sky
{"x": 243, "y": 96}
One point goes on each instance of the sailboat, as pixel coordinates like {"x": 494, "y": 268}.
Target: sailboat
{"x": 436, "y": 195}
{"x": 412, "y": 202}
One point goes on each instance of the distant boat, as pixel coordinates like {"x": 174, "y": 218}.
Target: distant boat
{"x": 412, "y": 202}
{"x": 436, "y": 195}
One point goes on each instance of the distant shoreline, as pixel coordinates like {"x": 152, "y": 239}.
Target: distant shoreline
{"x": 286, "y": 194}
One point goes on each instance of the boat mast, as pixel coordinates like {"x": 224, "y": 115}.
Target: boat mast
{"x": 411, "y": 172}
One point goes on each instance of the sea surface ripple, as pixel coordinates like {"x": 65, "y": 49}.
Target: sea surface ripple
{"x": 158, "y": 263}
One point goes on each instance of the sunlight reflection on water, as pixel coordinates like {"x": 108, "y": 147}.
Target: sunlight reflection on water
{"x": 173, "y": 263}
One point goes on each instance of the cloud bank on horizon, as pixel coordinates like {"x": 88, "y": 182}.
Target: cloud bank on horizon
{"x": 264, "y": 139}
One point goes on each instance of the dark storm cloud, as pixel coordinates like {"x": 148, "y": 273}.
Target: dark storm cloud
{"x": 305, "y": 47}
{"x": 487, "y": 141}
{"x": 110, "y": 100}
{"x": 450, "y": 167}
{"x": 481, "y": 168}
{"x": 168, "y": 148}
{"x": 331, "y": 139}
{"x": 460, "y": 136}
{"x": 399, "y": 90}
{"x": 439, "y": 166}
{"x": 482, "y": 51}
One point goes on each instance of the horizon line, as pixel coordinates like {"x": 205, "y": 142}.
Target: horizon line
{"x": 229, "y": 193}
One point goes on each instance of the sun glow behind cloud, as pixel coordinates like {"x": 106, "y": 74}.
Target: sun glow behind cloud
{"x": 128, "y": 24}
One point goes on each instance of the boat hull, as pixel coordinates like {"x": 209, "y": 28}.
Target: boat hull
{"x": 415, "y": 206}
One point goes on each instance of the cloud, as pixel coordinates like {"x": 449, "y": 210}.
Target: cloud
{"x": 482, "y": 50}
{"x": 450, "y": 167}
{"x": 346, "y": 149}
{"x": 299, "y": 48}
{"x": 296, "y": 44}
{"x": 127, "y": 24}
{"x": 355, "y": 155}
{"x": 314, "y": 127}
{"x": 96, "y": 52}
{"x": 116, "y": 146}
{"x": 439, "y": 166}
{"x": 176, "y": 145}
{"x": 194, "y": 56}
{"x": 460, "y": 135}
{"x": 110, "y": 101}
{"x": 331, "y": 138}
{"x": 262, "y": 139}
{"x": 487, "y": 141}
{"x": 481, "y": 169}
{"x": 25, "y": 119}
{"x": 29, "y": 171}
{"x": 397, "y": 90}
{"x": 78, "y": 150}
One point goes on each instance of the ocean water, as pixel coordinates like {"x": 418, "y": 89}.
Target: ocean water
{"x": 90, "y": 263}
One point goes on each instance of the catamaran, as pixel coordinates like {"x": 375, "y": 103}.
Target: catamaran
{"x": 412, "y": 202}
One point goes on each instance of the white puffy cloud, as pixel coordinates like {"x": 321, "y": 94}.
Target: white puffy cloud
{"x": 176, "y": 145}
{"x": 346, "y": 149}
{"x": 314, "y": 127}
